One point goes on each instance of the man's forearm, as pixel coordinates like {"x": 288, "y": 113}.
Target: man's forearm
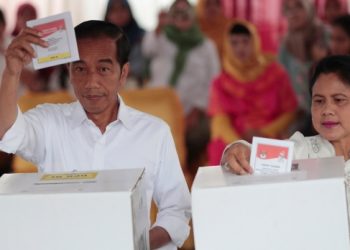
{"x": 8, "y": 100}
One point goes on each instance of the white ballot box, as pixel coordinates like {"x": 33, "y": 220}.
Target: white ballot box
{"x": 101, "y": 210}
{"x": 305, "y": 209}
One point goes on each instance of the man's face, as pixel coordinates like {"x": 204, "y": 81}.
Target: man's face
{"x": 97, "y": 76}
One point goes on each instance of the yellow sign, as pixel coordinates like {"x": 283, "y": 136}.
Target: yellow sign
{"x": 69, "y": 176}
{"x": 54, "y": 57}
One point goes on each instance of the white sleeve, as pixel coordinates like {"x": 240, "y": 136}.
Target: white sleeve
{"x": 223, "y": 156}
{"x": 150, "y": 44}
{"x": 301, "y": 146}
{"x": 171, "y": 194}
{"x": 212, "y": 69}
{"x": 213, "y": 60}
{"x": 13, "y": 137}
{"x": 26, "y": 136}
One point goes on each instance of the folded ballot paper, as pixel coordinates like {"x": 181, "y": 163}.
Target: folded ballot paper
{"x": 271, "y": 156}
{"x": 58, "y": 31}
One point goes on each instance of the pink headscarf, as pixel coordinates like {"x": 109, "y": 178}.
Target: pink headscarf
{"x": 25, "y": 12}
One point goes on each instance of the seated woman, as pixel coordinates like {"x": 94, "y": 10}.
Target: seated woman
{"x": 181, "y": 57}
{"x": 252, "y": 95}
{"x": 119, "y": 13}
{"x": 330, "y": 109}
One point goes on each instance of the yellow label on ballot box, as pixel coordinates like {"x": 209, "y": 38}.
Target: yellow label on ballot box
{"x": 69, "y": 176}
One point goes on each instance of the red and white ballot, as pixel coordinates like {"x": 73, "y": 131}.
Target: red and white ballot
{"x": 271, "y": 156}
{"x": 58, "y": 32}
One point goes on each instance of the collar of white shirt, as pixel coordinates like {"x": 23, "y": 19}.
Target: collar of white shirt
{"x": 78, "y": 115}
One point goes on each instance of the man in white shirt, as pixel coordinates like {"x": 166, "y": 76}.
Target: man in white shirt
{"x": 98, "y": 131}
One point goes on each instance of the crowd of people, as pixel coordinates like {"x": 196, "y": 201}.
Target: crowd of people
{"x": 229, "y": 88}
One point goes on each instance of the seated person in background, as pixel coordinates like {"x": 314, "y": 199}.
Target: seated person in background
{"x": 119, "y": 13}
{"x": 304, "y": 43}
{"x": 340, "y": 35}
{"x": 181, "y": 57}
{"x": 98, "y": 131}
{"x": 252, "y": 95}
{"x": 330, "y": 111}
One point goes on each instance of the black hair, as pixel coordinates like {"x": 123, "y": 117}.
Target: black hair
{"x": 2, "y": 18}
{"x": 240, "y": 29}
{"x": 99, "y": 29}
{"x": 339, "y": 65}
{"x": 343, "y": 22}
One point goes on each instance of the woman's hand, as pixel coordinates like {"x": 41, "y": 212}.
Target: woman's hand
{"x": 236, "y": 159}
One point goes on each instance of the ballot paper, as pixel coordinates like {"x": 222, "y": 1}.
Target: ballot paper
{"x": 58, "y": 32}
{"x": 270, "y": 156}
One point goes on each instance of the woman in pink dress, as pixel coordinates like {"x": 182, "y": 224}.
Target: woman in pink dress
{"x": 251, "y": 97}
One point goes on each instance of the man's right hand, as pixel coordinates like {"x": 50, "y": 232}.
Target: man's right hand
{"x": 236, "y": 159}
{"x": 20, "y": 51}
{"x": 18, "y": 54}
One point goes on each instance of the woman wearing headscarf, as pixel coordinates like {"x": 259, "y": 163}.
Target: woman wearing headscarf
{"x": 252, "y": 96}
{"x": 25, "y": 12}
{"x": 181, "y": 57}
{"x": 304, "y": 43}
{"x": 119, "y": 13}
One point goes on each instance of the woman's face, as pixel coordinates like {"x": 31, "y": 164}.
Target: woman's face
{"x": 330, "y": 108}
{"x": 340, "y": 41}
{"x": 296, "y": 14}
{"x": 181, "y": 16}
{"x": 242, "y": 46}
{"x": 213, "y": 8}
{"x": 119, "y": 15}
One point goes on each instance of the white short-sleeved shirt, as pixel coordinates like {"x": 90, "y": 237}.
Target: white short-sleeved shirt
{"x": 60, "y": 137}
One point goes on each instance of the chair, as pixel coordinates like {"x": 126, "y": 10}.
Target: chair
{"x": 163, "y": 103}
{"x": 28, "y": 101}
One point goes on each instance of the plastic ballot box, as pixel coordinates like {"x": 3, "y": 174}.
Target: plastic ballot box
{"x": 101, "y": 210}
{"x": 304, "y": 209}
